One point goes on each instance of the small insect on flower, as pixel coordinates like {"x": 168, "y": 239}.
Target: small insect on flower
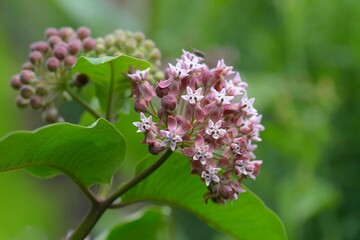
{"x": 198, "y": 53}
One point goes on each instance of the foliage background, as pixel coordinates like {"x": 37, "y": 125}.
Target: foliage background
{"x": 301, "y": 59}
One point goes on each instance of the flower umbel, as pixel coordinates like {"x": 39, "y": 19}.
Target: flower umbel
{"x": 206, "y": 114}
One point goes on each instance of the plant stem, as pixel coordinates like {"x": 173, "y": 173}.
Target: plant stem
{"x": 123, "y": 189}
{"x": 99, "y": 207}
{"x": 82, "y": 103}
{"x": 89, "y": 221}
{"x": 111, "y": 93}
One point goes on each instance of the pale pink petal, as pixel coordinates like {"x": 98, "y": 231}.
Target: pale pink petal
{"x": 189, "y": 151}
{"x": 199, "y": 141}
{"x": 165, "y": 83}
{"x": 147, "y": 91}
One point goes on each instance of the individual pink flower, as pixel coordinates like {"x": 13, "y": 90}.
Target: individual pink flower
{"x": 221, "y": 97}
{"x": 174, "y": 133}
{"x": 200, "y": 152}
{"x": 210, "y": 174}
{"x": 222, "y": 70}
{"x": 247, "y": 105}
{"x": 193, "y": 97}
{"x": 214, "y": 130}
{"x": 248, "y": 168}
{"x": 145, "y": 124}
{"x": 142, "y": 86}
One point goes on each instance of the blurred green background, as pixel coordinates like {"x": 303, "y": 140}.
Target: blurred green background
{"x": 302, "y": 62}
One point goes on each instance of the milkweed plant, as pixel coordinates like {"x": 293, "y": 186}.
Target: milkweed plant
{"x": 194, "y": 118}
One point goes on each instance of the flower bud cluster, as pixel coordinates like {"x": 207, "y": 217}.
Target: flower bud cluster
{"x": 46, "y": 76}
{"x": 132, "y": 44}
{"x": 206, "y": 114}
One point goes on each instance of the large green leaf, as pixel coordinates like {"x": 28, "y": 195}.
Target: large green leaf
{"x": 102, "y": 71}
{"x": 150, "y": 223}
{"x": 89, "y": 155}
{"x": 246, "y": 218}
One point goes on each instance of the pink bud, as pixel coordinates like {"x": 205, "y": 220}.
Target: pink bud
{"x": 141, "y": 106}
{"x": 66, "y": 32}
{"x": 60, "y": 52}
{"x": 35, "y": 57}
{"x": 70, "y": 60}
{"x": 26, "y": 76}
{"x": 83, "y": 32}
{"x": 52, "y": 64}
{"x": 169, "y": 102}
{"x": 161, "y": 92}
{"x": 89, "y": 44}
{"x": 74, "y": 46}
{"x": 15, "y": 82}
{"x": 155, "y": 148}
{"x": 51, "y": 32}
{"x": 40, "y": 46}
{"x": 53, "y": 40}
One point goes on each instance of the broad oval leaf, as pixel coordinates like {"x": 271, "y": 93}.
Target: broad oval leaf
{"x": 89, "y": 155}
{"x": 246, "y": 218}
{"x": 151, "y": 222}
{"x": 102, "y": 71}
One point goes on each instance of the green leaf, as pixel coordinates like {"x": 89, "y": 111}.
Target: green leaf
{"x": 89, "y": 155}
{"x": 151, "y": 222}
{"x": 102, "y": 71}
{"x": 246, "y": 218}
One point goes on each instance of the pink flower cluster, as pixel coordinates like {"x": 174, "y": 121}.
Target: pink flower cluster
{"x": 207, "y": 114}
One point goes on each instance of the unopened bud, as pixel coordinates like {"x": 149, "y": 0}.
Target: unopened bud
{"x": 81, "y": 80}
{"x": 50, "y": 115}
{"x": 51, "y": 32}
{"x": 60, "y": 52}
{"x": 155, "y": 53}
{"x": 52, "y": 64}
{"x": 89, "y": 44}
{"x": 161, "y": 92}
{"x": 66, "y": 32}
{"x": 83, "y": 32}
{"x": 120, "y": 40}
{"x": 35, "y": 57}
{"x": 21, "y": 102}
{"x": 41, "y": 91}
{"x": 70, "y": 60}
{"x": 149, "y": 44}
{"x": 36, "y": 102}
{"x": 130, "y": 45}
{"x": 139, "y": 36}
{"x": 53, "y": 40}
{"x": 155, "y": 148}
{"x": 168, "y": 102}
{"x": 26, "y": 76}
{"x": 141, "y": 106}
{"x": 40, "y": 46}
{"x": 15, "y": 82}
{"x": 27, "y": 66}
{"x": 26, "y": 91}
{"x": 138, "y": 54}
{"x": 74, "y": 46}
{"x": 209, "y": 78}
{"x": 109, "y": 40}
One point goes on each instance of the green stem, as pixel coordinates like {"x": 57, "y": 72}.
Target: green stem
{"x": 99, "y": 207}
{"x": 111, "y": 93}
{"x": 89, "y": 222}
{"x": 82, "y": 103}
{"x": 123, "y": 189}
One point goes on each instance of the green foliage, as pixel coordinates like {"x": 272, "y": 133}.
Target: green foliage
{"x": 150, "y": 223}
{"x": 88, "y": 155}
{"x": 246, "y": 218}
{"x": 108, "y": 75}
